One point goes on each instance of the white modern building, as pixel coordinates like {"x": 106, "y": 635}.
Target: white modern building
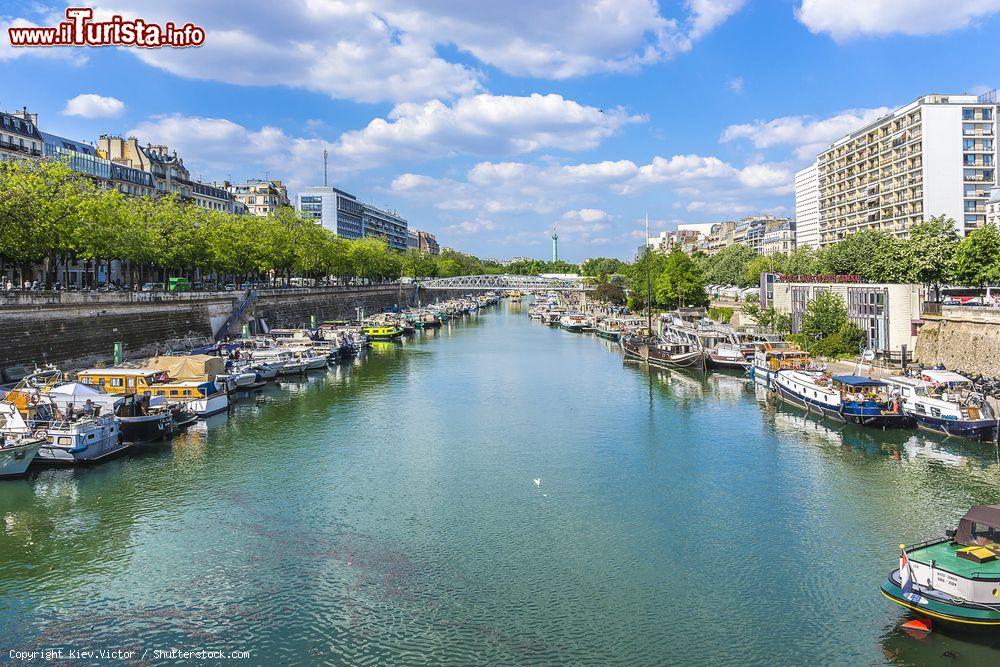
{"x": 807, "y": 207}
{"x": 345, "y": 216}
{"x": 934, "y": 156}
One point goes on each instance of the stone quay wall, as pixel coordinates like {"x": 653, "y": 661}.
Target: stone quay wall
{"x": 963, "y": 338}
{"x": 75, "y": 330}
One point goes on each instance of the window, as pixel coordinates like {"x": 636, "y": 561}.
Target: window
{"x": 115, "y": 382}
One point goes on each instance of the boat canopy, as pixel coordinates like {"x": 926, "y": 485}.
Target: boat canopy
{"x": 943, "y": 376}
{"x": 192, "y": 368}
{"x": 857, "y": 381}
{"x": 982, "y": 521}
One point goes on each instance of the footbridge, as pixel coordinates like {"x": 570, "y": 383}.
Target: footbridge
{"x": 505, "y": 283}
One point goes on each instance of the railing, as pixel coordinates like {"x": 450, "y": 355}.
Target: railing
{"x": 238, "y": 313}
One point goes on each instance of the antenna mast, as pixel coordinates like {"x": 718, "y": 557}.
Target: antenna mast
{"x": 325, "y": 154}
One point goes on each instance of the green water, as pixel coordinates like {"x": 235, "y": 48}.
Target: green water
{"x": 384, "y": 512}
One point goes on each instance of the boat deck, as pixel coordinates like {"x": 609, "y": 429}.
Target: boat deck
{"x": 945, "y": 555}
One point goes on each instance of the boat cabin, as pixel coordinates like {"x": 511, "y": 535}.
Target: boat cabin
{"x": 146, "y": 381}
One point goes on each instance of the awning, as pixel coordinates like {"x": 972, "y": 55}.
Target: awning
{"x": 988, "y": 515}
{"x": 857, "y": 381}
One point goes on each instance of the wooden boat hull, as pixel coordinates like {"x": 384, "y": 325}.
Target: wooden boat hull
{"x": 656, "y": 357}
{"x": 726, "y": 363}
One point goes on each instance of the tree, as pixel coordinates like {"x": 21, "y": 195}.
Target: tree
{"x": 977, "y": 257}
{"x": 801, "y": 262}
{"x": 930, "y": 251}
{"x": 603, "y": 266}
{"x": 824, "y": 316}
{"x": 729, "y": 266}
{"x": 610, "y": 291}
{"x": 636, "y": 278}
{"x": 680, "y": 283}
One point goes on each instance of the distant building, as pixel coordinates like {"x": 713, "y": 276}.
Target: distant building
{"x": 664, "y": 242}
{"x": 83, "y": 158}
{"x": 807, "y": 207}
{"x": 934, "y": 156}
{"x": 779, "y": 237}
{"x": 412, "y": 240}
{"x": 20, "y": 137}
{"x": 259, "y": 197}
{"x": 993, "y": 207}
{"x": 721, "y": 235}
{"x": 427, "y": 243}
{"x": 345, "y": 216}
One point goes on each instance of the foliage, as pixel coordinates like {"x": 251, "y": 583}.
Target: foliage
{"x": 768, "y": 319}
{"x": 635, "y": 278}
{"x": 610, "y": 291}
{"x": 721, "y": 314}
{"x": 977, "y": 257}
{"x": 603, "y": 266}
{"x": 930, "y": 250}
{"x": 824, "y": 316}
{"x": 680, "y": 283}
{"x": 845, "y": 342}
{"x": 729, "y": 266}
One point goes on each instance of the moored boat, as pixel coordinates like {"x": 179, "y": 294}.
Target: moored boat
{"x": 666, "y": 354}
{"x": 771, "y": 356}
{"x": 943, "y": 401}
{"x": 727, "y": 356}
{"x": 17, "y": 450}
{"x": 846, "y": 398}
{"x": 953, "y": 578}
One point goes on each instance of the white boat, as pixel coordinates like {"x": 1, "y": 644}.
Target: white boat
{"x": 17, "y": 451}
{"x": 308, "y": 356}
{"x": 771, "y": 356}
{"x": 727, "y": 356}
{"x": 82, "y": 437}
{"x": 281, "y": 357}
{"x": 943, "y": 401}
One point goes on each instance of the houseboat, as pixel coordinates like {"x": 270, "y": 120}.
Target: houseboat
{"x": 186, "y": 380}
{"x": 610, "y": 328}
{"x": 666, "y": 354}
{"x": 727, "y": 356}
{"x": 142, "y": 418}
{"x": 944, "y": 401}
{"x": 769, "y": 357}
{"x": 846, "y": 398}
{"x": 280, "y": 358}
{"x": 383, "y": 332}
{"x": 574, "y": 322}
{"x": 87, "y": 434}
{"x": 954, "y": 578}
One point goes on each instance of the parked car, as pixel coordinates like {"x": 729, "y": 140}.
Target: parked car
{"x": 152, "y": 287}
{"x": 229, "y": 287}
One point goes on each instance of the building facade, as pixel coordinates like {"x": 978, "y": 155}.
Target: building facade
{"x": 259, "y": 197}
{"x": 721, "y": 235}
{"x": 345, "y": 216}
{"x": 20, "y": 137}
{"x": 779, "y": 237}
{"x": 807, "y": 207}
{"x": 993, "y": 207}
{"x": 889, "y": 315}
{"x": 427, "y": 242}
{"x": 934, "y": 156}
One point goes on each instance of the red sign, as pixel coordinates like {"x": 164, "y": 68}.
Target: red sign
{"x": 818, "y": 279}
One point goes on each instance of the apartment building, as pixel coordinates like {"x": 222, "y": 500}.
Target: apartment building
{"x": 993, "y": 207}
{"x": 720, "y": 235}
{"x": 779, "y": 237}
{"x": 807, "y": 207}
{"x": 20, "y": 137}
{"x": 934, "y": 156}
{"x": 427, "y": 242}
{"x": 260, "y": 197}
{"x": 664, "y": 242}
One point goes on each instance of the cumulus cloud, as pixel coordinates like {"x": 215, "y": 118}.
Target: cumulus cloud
{"x": 390, "y": 50}
{"x": 481, "y": 125}
{"x": 808, "y": 135}
{"x": 847, "y": 19}
{"x": 473, "y": 226}
{"x": 71, "y": 55}
{"x": 90, "y": 105}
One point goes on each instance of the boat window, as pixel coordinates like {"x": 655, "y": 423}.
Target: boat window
{"x": 935, "y": 412}
{"x": 64, "y": 440}
{"x": 90, "y": 437}
{"x": 116, "y": 382}
{"x": 187, "y": 392}
{"x": 921, "y": 409}
{"x": 130, "y": 382}
{"x": 173, "y": 392}
{"x": 985, "y": 534}
{"x": 920, "y": 391}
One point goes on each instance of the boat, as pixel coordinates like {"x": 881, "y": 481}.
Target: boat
{"x": 142, "y": 418}
{"x": 189, "y": 380}
{"x": 846, "y": 398}
{"x": 383, "y": 332}
{"x": 87, "y": 434}
{"x": 574, "y": 322}
{"x": 666, "y": 354}
{"x": 280, "y": 358}
{"x": 17, "y": 450}
{"x": 727, "y": 356}
{"x": 771, "y": 356}
{"x": 610, "y": 328}
{"x": 953, "y": 578}
{"x": 944, "y": 401}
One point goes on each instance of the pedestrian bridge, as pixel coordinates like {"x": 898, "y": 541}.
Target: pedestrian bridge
{"x": 506, "y": 283}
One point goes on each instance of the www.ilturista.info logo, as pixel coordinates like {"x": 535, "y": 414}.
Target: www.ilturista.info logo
{"x": 79, "y": 29}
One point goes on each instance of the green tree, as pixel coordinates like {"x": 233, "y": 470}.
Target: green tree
{"x": 977, "y": 257}
{"x": 930, "y": 251}
{"x": 610, "y": 291}
{"x": 824, "y": 316}
{"x": 801, "y": 262}
{"x": 636, "y": 279}
{"x": 680, "y": 282}
{"x": 729, "y": 265}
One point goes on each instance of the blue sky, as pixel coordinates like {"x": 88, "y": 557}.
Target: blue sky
{"x": 487, "y": 124}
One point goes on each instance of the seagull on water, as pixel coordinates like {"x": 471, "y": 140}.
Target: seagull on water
{"x": 538, "y": 482}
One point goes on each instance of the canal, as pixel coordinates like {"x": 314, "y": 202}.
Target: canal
{"x": 386, "y": 511}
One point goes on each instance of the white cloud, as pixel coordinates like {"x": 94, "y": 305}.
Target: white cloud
{"x": 709, "y": 14}
{"x": 846, "y": 19}
{"x": 481, "y": 125}
{"x": 72, "y": 55}
{"x": 390, "y": 50}
{"x": 808, "y": 135}
{"x": 90, "y": 105}
{"x": 584, "y": 222}
{"x": 473, "y": 226}
{"x": 591, "y": 215}
{"x": 736, "y": 85}
{"x": 725, "y": 208}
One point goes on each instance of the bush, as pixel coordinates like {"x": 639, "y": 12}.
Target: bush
{"x": 721, "y": 314}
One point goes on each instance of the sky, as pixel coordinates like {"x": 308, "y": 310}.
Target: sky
{"x": 489, "y": 123}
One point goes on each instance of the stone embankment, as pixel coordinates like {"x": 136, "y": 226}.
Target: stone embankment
{"x": 73, "y": 329}
{"x": 963, "y": 338}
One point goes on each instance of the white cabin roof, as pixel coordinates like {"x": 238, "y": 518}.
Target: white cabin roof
{"x": 944, "y": 376}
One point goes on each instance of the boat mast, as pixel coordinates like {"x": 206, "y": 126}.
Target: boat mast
{"x": 649, "y": 304}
